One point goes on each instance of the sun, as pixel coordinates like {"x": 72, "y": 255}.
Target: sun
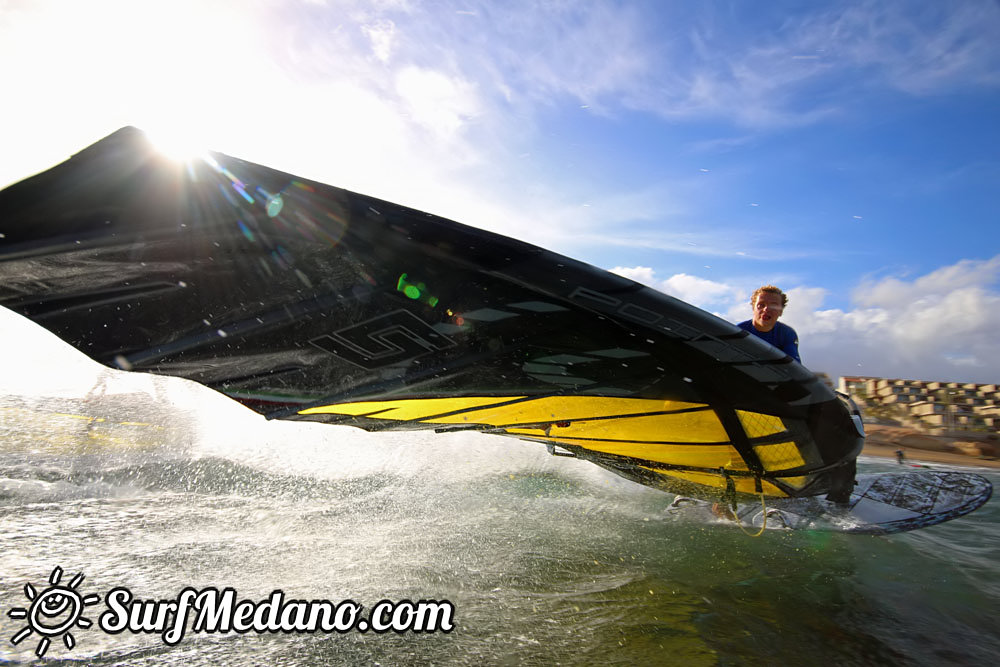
{"x": 53, "y": 612}
{"x": 177, "y": 142}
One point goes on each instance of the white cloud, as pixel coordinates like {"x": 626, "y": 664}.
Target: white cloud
{"x": 804, "y": 300}
{"x": 925, "y": 49}
{"x": 943, "y": 281}
{"x": 640, "y": 274}
{"x": 439, "y": 103}
{"x": 941, "y": 325}
{"x": 701, "y": 292}
{"x": 382, "y": 35}
{"x": 797, "y": 72}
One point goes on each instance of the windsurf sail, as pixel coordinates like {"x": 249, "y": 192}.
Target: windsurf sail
{"x": 308, "y": 302}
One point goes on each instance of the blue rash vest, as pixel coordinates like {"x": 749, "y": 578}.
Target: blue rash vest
{"x": 781, "y": 336}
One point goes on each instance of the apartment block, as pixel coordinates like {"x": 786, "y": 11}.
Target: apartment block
{"x": 933, "y": 406}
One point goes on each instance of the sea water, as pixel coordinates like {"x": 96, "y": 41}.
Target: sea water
{"x": 544, "y": 560}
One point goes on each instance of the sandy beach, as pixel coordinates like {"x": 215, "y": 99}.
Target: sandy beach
{"x": 914, "y": 455}
{"x": 961, "y": 449}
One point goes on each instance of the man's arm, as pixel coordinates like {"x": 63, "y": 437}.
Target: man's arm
{"x": 790, "y": 344}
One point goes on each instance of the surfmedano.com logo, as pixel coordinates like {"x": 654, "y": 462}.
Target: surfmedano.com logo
{"x": 53, "y": 612}
{"x": 58, "y": 609}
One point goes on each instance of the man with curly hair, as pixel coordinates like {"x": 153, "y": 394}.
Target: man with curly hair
{"x": 768, "y": 303}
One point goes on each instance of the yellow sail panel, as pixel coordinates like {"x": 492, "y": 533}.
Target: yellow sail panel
{"x": 743, "y": 484}
{"x": 779, "y": 456}
{"x": 499, "y": 411}
{"x": 343, "y": 409}
{"x": 796, "y": 482}
{"x": 413, "y": 409}
{"x": 563, "y": 408}
{"x": 757, "y": 425}
{"x": 700, "y": 426}
{"x": 699, "y": 456}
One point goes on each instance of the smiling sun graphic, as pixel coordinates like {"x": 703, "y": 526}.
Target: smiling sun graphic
{"x": 53, "y": 612}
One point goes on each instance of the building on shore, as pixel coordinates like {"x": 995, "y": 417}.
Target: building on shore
{"x": 931, "y": 406}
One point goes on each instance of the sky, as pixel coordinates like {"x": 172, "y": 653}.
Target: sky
{"x": 848, "y": 152}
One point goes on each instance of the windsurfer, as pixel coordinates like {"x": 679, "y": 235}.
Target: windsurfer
{"x": 768, "y": 304}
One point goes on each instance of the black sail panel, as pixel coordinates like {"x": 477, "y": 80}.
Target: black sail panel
{"x": 306, "y": 301}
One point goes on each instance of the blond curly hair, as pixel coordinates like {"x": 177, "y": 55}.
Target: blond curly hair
{"x": 772, "y": 290}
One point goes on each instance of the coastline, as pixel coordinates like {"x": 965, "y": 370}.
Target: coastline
{"x": 916, "y": 455}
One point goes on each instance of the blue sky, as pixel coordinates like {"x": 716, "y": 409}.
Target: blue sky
{"x": 846, "y": 151}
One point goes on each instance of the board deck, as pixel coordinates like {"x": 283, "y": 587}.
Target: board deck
{"x": 881, "y": 504}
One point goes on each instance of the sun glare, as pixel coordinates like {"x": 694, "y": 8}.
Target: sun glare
{"x": 178, "y": 143}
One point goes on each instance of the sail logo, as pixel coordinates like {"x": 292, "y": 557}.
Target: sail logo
{"x": 385, "y": 340}
{"x": 58, "y": 609}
